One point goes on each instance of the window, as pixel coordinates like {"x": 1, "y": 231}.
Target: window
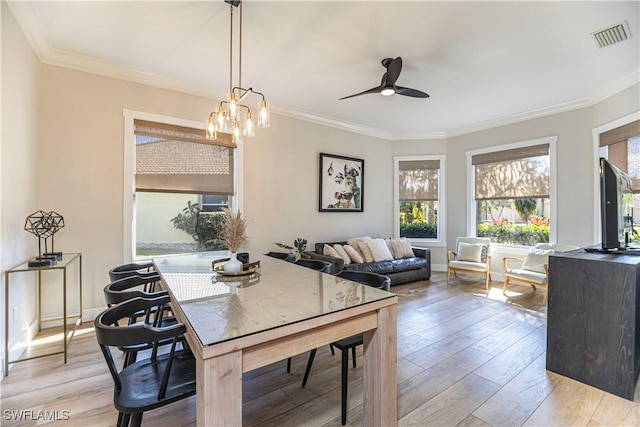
{"x": 419, "y": 186}
{"x": 621, "y": 146}
{"x": 511, "y": 192}
{"x": 181, "y": 182}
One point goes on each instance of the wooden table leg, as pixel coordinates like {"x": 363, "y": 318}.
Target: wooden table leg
{"x": 219, "y": 390}
{"x": 380, "y": 371}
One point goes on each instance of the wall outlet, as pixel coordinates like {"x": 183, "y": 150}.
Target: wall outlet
{"x": 14, "y": 314}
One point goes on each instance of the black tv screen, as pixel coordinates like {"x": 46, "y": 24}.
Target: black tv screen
{"x": 616, "y": 206}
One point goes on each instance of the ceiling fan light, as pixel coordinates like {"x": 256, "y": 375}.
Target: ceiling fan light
{"x": 387, "y": 91}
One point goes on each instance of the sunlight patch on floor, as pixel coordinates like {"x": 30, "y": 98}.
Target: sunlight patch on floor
{"x": 49, "y": 339}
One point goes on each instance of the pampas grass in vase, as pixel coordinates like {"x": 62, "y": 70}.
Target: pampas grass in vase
{"x": 234, "y": 236}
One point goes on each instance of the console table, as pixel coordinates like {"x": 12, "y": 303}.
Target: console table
{"x": 593, "y": 324}
{"x": 62, "y": 265}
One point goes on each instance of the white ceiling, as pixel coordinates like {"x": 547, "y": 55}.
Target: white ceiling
{"x": 483, "y": 63}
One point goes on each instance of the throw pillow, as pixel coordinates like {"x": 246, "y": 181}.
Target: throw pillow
{"x": 471, "y": 252}
{"x": 342, "y": 253}
{"x": 379, "y": 250}
{"x": 355, "y": 256}
{"x": 328, "y": 250}
{"x": 366, "y": 252}
{"x": 401, "y": 248}
{"x": 355, "y": 243}
{"x": 536, "y": 259}
{"x": 484, "y": 253}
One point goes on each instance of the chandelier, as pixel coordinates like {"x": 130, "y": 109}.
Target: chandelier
{"x": 232, "y": 116}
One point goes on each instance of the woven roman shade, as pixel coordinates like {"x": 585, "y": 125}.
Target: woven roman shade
{"x": 623, "y": 150}
{"x": 178, "y": 159}
{"x": 519, "y": 173}
{"x": 418, "y": 180}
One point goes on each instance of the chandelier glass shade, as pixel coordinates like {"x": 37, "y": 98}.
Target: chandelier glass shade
{"x": 232, "y": 116}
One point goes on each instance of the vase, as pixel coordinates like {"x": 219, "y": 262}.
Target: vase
{"x": 233, "y": 265}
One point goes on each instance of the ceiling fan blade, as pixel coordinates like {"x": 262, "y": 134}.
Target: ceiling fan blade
{"x": 372, "y": 90}
{"x": 393, "y": 72}
{"x": 414, "y": 93}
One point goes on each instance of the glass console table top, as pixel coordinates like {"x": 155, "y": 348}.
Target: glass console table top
{"x": 61, "y": 263}
{"x": 280, "y": 293}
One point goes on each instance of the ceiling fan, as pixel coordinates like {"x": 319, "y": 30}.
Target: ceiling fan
{"x": 388, "y": 84}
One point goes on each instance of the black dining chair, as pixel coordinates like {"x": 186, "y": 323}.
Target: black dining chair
{"x": 149, "y": 383}
{"x": 125, "y": 270}
{"x": 132, "y": 287}
{"x": 282, "y": 255}
{"x": 374, "y": 280}
{"x": 314, "y": 264}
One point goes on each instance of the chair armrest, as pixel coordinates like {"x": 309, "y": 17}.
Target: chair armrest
{"x": 451, "y": 256}
{"x": 421, "y": 252}
{"x": 508, "y": 259}
{"x": 337, "y": 263}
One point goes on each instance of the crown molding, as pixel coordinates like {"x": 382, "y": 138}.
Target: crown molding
{"x": 332, "y": 122}
{"x": 520, "y": 117}
{"x": 609, "y": 90}
{"x": 29, "y": 21}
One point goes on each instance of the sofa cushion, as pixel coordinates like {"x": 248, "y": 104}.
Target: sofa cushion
{"x": 342, "y": 253}
{"x": 468, "y": 265}
{"x": 406, "y": 264}
{"x": 366, "y": 252}
{"x": 353, "y": 254}
{"x": 379, "y": 250}
{"x": 328, "y": 250}
{"x": 400, "y": 248}
{"x": 531, "y": 276}
{"x": 382, "y": 267}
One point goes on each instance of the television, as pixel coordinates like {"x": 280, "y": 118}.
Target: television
{"x": 616, "y": 207}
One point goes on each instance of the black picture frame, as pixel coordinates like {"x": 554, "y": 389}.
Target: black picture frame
{"x": 341, "y": 184}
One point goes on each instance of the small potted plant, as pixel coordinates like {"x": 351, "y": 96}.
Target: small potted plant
{"x": 298, "y": 248}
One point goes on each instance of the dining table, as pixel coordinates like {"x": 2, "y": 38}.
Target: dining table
{"x": 276, "y": 309}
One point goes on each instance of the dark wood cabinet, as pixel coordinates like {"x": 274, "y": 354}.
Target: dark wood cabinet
{"x": 593, "y": 328}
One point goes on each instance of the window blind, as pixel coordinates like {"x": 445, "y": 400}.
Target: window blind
{"x": 626, "y": 155}
{"x": 519, "y": 173}
{"x": 178, "y": 159}
{"x": 419, "y": 180}
{"x": 620, "y": 134}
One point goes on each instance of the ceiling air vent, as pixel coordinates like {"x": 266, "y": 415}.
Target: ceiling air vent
{"x": 612, "y": 35}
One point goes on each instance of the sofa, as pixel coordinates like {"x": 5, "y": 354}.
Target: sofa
{"x": 413, "y": 267}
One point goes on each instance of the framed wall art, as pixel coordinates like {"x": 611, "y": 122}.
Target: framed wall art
{"x": 341, "y": 184}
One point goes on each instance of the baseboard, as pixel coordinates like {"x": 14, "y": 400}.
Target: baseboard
{"x": 441, "y": 268}
{"x": 55, "y": 319}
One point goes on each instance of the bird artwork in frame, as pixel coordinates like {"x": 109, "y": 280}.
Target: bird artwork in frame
{"x": 341, "y": 184}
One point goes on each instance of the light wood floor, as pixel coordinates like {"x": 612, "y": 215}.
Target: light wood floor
{"x": 466, "y": 357}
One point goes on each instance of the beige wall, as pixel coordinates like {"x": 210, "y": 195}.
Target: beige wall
{"x": 81, "y": 146}
{"x": 18, "y": 173}
{"x": 281, "y": 184}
